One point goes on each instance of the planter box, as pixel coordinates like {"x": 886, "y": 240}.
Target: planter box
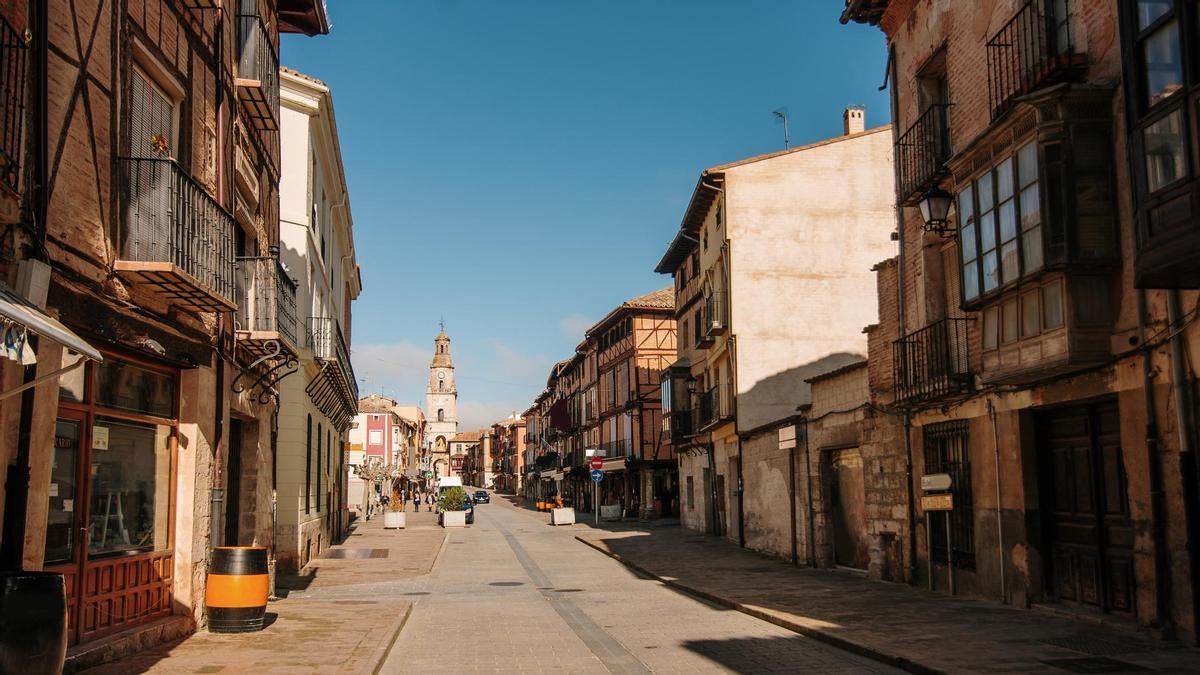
{"x": 454, "y": 519}
{"x": 610, "y": 512}
{"x": 562, "y": 516}
{"x": 394, "y": 520}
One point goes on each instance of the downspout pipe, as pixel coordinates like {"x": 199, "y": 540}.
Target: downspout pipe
{"x": 1189, "y": 463}
{"x": 991, "y": 408}
{"x": 911, "y": 558}
{"x": 1154, "y": 472}
{"x": 792, "y": 497}
{"x": 812, "y": 530}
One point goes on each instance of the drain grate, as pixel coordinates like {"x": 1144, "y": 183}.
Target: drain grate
{"x": 1095, "y": 664}
{"x": 419, "y": 593}
{"x": 568, "y": 590}
{"x": 1094, "y": 646}
{"x": 356, "y": 602}
{"x": 506, "y": 583}
{"x": 356, "y": 553}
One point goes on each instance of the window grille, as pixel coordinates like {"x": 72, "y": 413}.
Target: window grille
{"x": 946, "y": 451}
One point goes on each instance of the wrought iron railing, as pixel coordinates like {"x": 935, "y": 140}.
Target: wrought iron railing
{"x": 932, "y": 362}
{"x": 1034, "y": 45}
{"x": 621, "y": 447}
{"x": 257, "y": 58}
{"x": 168, "y": 217}
{"x": 716, "y": 314}
{"x": 266, "y": 297}
{"x": 922, "y": 151}
{"x": 12, "y": 103}
{"x": 325, "y": 339}
{"x": 716, "y": 404}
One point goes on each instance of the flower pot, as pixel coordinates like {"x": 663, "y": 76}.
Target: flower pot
{"x": 394, "y": 520}
{"x": 33, "y": 622}
{"x": 454, "y": 519}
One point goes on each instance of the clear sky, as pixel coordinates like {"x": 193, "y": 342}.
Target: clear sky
{"x": 519, "y": 166}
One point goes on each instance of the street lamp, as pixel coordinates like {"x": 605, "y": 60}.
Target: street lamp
{"x": 935, "y": 210}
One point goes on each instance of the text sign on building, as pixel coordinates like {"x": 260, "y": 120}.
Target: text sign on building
{"x": 943, "y": 502}
{"x": 787, "y": 437}
{"x": 936, "y": 482}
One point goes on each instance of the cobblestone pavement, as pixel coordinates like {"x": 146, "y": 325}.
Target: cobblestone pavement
{"x": 511, "y": 594}
{"x": 340, "y": 616}
{"x": 920, "y": 630}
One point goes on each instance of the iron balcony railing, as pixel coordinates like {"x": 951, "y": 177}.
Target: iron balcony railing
{"x": 680, "y": 424}
{"x": 716, "y": 405}
{"x": 257, "y": 59}
{"x": 168, "y": 217}
{"x": 716, "y": 314}
{"x": 325, "y": 339}
{"x": 622, "y": 447}
{"x": 266, "y": 297}
{"x": 1033, "y": 47}
{"x": 922, "y": 151}
{"x": 12, "y": 103}
{"x": 932, "y": 362}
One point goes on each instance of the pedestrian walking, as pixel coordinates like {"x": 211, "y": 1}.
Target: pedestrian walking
{"x": 429, "y": 502}
{"x": 416, "y": 501}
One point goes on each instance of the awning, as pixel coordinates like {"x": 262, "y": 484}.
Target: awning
{"x": 16, "y": 309}
{"x": 617, "y": 464}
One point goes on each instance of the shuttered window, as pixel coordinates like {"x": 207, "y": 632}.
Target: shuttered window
{"x": 151, "y": 116}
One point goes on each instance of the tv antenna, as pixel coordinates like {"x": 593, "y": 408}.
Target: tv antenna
{"x": 781, "y": 114}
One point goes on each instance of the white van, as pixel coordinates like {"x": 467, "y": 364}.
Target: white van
{"x": 449, "y": 482}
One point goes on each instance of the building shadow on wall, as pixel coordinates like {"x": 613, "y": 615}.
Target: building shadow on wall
{"x": 777, "y": 397}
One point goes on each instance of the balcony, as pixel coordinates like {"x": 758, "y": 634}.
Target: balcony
{"x": 176, "y": 241}
{"x": 933, "y": 362}
{"x": 679, "y": 425}
{"x": 716, "y": 405}
{"x": 1034, "y": 48}
{"x": 258, "y": 73}
{"x": 622, "y": 447}
{"x": 338, "y": 385}
{"x": 921, "y": 154}
{"x": 267, "y": 306}
{"x": 716, "y": 319}
{"x": 12, "y": 99}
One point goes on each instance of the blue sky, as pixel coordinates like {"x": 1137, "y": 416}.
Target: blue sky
{"x": 519, "y": 166}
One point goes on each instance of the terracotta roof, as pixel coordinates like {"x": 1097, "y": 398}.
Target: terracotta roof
{"x": 466, "y": 437}
{"x": 663, "y": 298}
{"x": 310, "y": 78}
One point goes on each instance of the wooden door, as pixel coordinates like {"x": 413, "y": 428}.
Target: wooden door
{"x": 66, "y": 541}
{"x": 1089, "y": 532}
{"x": 847, "y": 508}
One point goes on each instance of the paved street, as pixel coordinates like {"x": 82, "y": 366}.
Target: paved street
{"x": 511, "y": 594}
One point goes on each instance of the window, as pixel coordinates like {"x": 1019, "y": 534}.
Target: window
{"x": 319, "y": 432}
{"x": 697, "y": 327}
{"x": 695, "y": 265}
{"x": 129, "y": 487}
{"x": 441, "y": 415}
{"x": 691, "y": 493}
{"x": 125, "y": 386}
{"x": 152, "y": 118}
{"x": 946, "y": 451}
{"x": 1000, "y": 224}
{"x": 375, "y": 437}
{"x": 1028, "y": 315}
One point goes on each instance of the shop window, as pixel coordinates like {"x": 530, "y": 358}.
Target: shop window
{"x": 125, "y": 386}
{"x": 130, "y": 486}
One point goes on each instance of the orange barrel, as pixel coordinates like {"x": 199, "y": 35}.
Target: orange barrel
{"x": 237, "y": 589}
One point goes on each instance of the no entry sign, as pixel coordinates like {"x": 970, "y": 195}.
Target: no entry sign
{"x": 597, "y": 462}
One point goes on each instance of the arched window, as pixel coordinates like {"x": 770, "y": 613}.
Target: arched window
{"x": 320, "y": 431}
{"x": 441, "y": 415}
{"x": 441, "y": 385}
{"x": 308, "y": 465}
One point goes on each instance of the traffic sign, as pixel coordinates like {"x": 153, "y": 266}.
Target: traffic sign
{"x": 597, "y": 463}
{"x": 597, "y": 475}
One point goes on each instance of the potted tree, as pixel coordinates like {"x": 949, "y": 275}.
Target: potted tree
{"x": 394, "y": 517}
{"x": 375, "y": 472}
{"x": 451, "y": 503}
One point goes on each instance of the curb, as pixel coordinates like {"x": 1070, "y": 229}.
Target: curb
{"x": 807, "y": 631}
{"x": 383, "y": 657}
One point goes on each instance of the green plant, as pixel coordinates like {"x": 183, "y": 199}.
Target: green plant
{"x": 452, "y": 499}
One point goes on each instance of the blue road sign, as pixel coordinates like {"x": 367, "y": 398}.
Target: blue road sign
{"x": 597, "y": 475}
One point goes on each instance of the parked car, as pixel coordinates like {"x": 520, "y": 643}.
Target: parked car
{"x": 482, "y": 497}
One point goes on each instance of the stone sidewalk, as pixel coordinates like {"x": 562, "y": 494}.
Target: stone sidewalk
{"x": 330, "y": 619}
{"x": 909, "y": 628}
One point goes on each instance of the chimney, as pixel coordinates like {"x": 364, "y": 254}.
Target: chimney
{"x": 854, "y": 119}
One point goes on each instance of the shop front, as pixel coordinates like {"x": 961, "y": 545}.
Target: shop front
{"x": 110, "y": 516}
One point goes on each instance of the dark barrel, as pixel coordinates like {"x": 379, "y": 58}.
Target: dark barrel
{"x": 237, "y": 589}
{"x": 33, "y": 622}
